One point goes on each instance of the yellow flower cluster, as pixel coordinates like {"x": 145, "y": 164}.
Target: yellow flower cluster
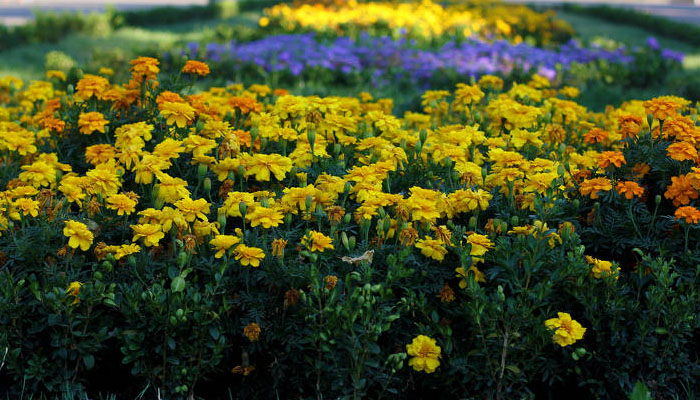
{"x": 425, "y": 19}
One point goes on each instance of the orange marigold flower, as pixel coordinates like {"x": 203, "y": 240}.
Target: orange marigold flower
{"x": 91, "y": 85}
{"x": 682, "y": 151}
{"x": 144, "y": 67}
{"x": 593, "y": 186}
{"x": 690, "y": 214}
{"x": 680, "y": 190}
{"x": 630, "y": 189}
{"x": 252, "y": 331}
{"x": 661, "y": 109}
{"x": 595, "y": 135}
{"x": 630, "y": 125}
{"x": 196, "y": 68}
{"x": 615, "y": 158}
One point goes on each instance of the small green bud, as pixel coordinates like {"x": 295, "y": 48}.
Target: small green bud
{"x": 242, "y": 207}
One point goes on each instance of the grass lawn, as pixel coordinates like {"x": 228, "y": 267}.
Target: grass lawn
{"x": 28, "y": 62}
{"x": 590, "y": 28}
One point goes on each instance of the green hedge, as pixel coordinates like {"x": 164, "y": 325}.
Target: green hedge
{"x": 658, "y": 25}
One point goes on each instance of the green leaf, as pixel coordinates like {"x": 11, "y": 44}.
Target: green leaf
{"x": 640, "y": 392}
{"x": 89, "y": 361}
{"x": 178, "y": 284}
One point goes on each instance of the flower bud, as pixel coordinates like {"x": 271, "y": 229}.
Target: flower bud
{"x": 242, "y": 208}
{"x": 201, "y": 171}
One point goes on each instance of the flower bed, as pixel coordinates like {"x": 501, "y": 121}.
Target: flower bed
{"x": 504, "y": 241}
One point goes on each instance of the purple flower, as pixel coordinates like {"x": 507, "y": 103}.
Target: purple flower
{"x": 653, "y": 43}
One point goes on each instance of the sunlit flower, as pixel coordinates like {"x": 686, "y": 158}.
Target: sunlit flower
{"x": 249, "y": 255}
{"x": 425, "y": 354}
{"x": 566, "y": 330}
{"x": 78, "y": 235}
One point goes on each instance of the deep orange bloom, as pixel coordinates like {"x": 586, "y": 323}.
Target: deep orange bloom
{"x": 595, "y": 135}
{"x": 680, "y": 190}
{"x": 196, "y": 68}
{"x": 593, "y": 186}
{"x": 661, "y": 109}
{"x": 682, "y": 151}
{"x": 615, "y": 158}
{"x": 630, "y": 189}
{"x": 690, "y": 214}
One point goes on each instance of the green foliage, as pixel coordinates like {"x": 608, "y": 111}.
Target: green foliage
{"x": 658, "y": 25}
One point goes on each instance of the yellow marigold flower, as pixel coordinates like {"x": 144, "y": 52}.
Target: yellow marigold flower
{"x": 126, "y": 250}
{"x": 195, "y": 68}
{"x": 317, "y": 241}
{"x": 680, "y": 190}
{"x": 27, "y": 206}
{"x": 602, "y": 268}
{"x": 690, "y": 214}
{"x": 221, "y": 243}
{"x": 467, "y": 94}
{"x": 100, "y": 153}
{"x": 79, "y": 235}
{"x": 606, "y": 158}
{"x": 122, "y": 203}
{"x": 91, "y": 122}
{"x": 566, "y": 330}
{"x": 267, "y": 217}
{"x": 151, "y": 234}
{"x": 193, "y": 209}
{"x": 278, "y": 246}
{"x": 432, "y": 248}
{"x": 682, "y": 151}
{"x": 630, "y": 189}
{"x": 38, "y": 174}
{"x": 52, "y": 73}
{"x": 593, "y": 186}
{"x": 425, "y": 354}
{"x": 105, "y": 71}
{"x": 480, "y": 244}
{"x": 249, "y": 255}
{"x": 478, "y": 275}
{"x": 179, "y": 114}
{"x": 252, "y": 331}
{"x": 490, "y": 82}
{"x": 74, "y": 290}
{"x": 261, "y": 165}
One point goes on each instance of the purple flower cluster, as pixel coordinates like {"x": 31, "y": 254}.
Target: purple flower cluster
{"x": 383, "y": 55}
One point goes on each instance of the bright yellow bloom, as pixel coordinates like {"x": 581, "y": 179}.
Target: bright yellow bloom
{"x": 179, "y": 114}
{"x": 432, "y": 248}
{"x": 602, "y": 268}
{"x": 193, "y": 209}
{"x": 480, "y": 244}
{"x": 425, "y": 354}
{"x": 91, "y": 122}
{"x": 221, "y": 243}
{"x": 249, "y": 255}
{"x": 317, "y": 241}
{"x": 151, "y": 234}
{"x": 79, "y": 235}
{"x": 566, "y": 330}
{"x": 267, "y": 217}
{"x": 74, "y": 290}
{"x": 122, "y": 203}
{"x": 261, "y": 165}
